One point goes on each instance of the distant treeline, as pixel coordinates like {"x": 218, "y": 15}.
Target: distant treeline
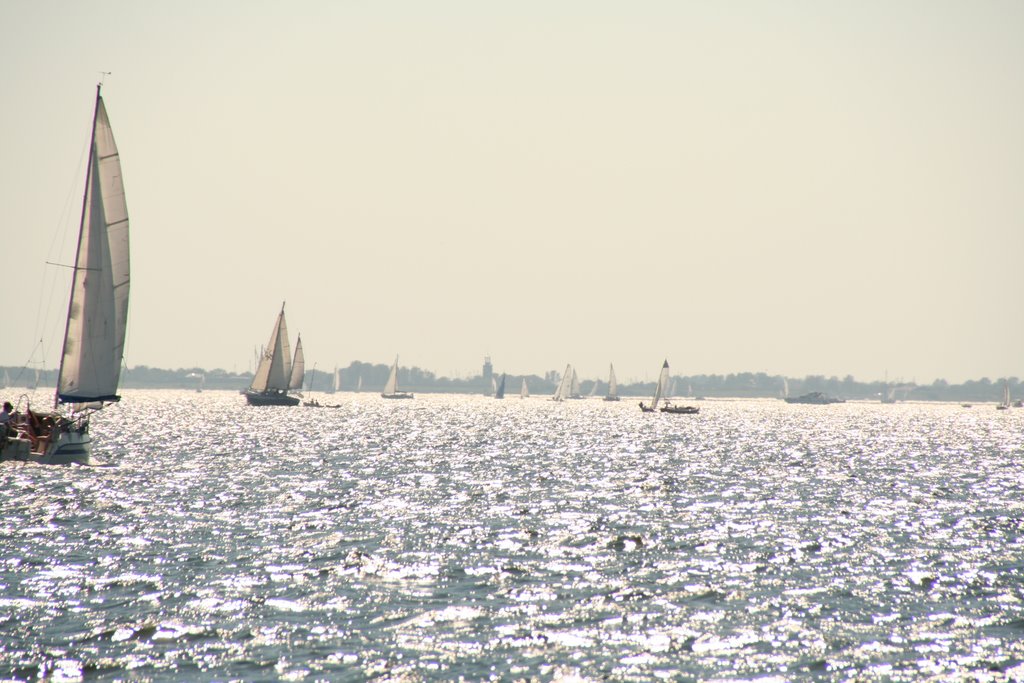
{"x": 740, "y": 385}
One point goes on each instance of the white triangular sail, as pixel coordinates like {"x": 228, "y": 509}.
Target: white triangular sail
{"x": 659, "y": 389}
{"x": 298, "y": 367}
{"x": 274, "y": 371}
{"x": 98, "y": 310}
{"x": 1006, "y": 395}
{"x": 392, "y": 384}
{"x": 574, "y": 390}
{"x": 524, "y": 391}
{"x": 613, "y": 384}
{"x": 565, "y": 385}
{"x": 337, "y": 379}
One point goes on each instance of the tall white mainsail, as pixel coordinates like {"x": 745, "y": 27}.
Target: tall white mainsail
{"x": 613, "y": 384}
{"x": 659, "y": 389}
{"x": 298, "y": 367}
{"x": 392, "y": 384}
{"x": 90, "y": 366}
{"x": 274, "y": 371}
{"x": 524, "y": 391}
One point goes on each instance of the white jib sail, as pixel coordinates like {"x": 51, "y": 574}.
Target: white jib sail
{"x": 98, "y": 310}
{"x": 613, "y": 384}
{"x": 298, "y": 367}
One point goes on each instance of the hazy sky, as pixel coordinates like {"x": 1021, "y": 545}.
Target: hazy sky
{"x": 788, "y": 187}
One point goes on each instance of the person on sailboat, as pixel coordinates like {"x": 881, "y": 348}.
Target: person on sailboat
{"x": 6, "y": 427}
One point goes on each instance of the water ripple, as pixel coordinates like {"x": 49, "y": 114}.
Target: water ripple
{"x": 453, "y": 537}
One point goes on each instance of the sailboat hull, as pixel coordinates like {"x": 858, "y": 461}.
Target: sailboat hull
{"x": 398, "y": 395}
{"x": 270, "y": 399}
{"x": 70, "y": 448}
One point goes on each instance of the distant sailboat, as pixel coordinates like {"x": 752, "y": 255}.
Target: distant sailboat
{"x": 335, "y": 381}
{"x": 593, "y": 388}
{"x": 201, "y": 380}
{"x": 564, "y": 389}
{"x": 391, "y": 388}
{"x": 275, "y": 376}
{"x": 359, "y": 384}
{"x": 574, "y": 389}
{"x": 90, "y": 367}
{"x": 1005, "y": 403}
{"x": 659, "y": 392}
{"x": 524, "y": 391}
{"x": 613, "y": 385}
{"x": 500, "y": 391}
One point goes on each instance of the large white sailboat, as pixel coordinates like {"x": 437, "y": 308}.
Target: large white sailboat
{"x": 90, "y": 366}
{"x": 391, "y": 388}
{"x": 276, "y": 374}
{"x": 613, "y": 385}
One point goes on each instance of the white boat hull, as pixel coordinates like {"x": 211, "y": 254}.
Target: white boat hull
{"x": 70, "y": 448}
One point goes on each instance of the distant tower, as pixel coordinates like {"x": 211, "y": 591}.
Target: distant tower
{"x": 488, "y": 377}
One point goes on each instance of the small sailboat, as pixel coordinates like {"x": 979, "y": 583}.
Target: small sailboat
{"x": 564, "y": 388}
{"x": 1005, "y": 403}
{"x": 200, "y": 380}
{"x": 613, "y": 385}
{"x": 524, "y": 391}
{"x": 500, "y": 391}
{"x": 275, "y": 374}
{"x": 574, "y": 389}
{"x": 359, "y": 384}
{"x": 90, "y": 366}
{"x": 313, "y": 402}
{"x": 659, "y": 389}
{"x": 391, "y": 388}
{"x": 659, "y": 393}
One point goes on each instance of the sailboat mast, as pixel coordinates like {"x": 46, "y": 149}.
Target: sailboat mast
{"x": 78, "y": 249}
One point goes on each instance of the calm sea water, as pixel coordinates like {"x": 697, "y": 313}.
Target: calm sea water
{"x": 463, "y": 537}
